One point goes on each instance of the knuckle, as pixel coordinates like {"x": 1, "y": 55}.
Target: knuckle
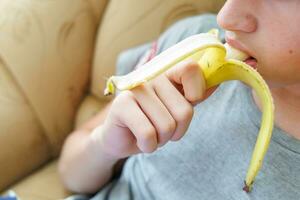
{"x": 192, "y": 67}
{"x": 147, "y": 141}
{"x": 158, "y": 81}
{"x": 166, "y": 131}
{"x": 185, "y": 113}
{"x": 142, "y": 91}
{"x": 122, "y": 100}
{"x": 124, "y": 96}
{"x": 169, "y": 127}
{"x": 194, "y": 98}
{"x": 148, "y": 134}
{"x": 150, "y": 149}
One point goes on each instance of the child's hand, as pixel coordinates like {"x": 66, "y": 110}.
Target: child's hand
{"x": 150, "y": 115}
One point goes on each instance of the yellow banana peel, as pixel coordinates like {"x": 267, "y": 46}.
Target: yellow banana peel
{"x": 219, "y": 63}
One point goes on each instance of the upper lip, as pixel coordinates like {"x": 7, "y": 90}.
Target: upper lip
{"x": 234, "y": 43}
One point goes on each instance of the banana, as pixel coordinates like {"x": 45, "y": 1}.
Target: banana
{"x": 219, "y": 63}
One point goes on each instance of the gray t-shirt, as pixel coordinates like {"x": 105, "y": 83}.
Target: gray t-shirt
{"x": 210, "y": 162}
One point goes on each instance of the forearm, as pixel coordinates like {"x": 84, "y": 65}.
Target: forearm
{"x": 84, "y": 166}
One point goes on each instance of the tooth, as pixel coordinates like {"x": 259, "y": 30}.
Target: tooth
{"x": 230, "y": 34}
{"x": 234, "y": 53}
{"x": 217, "y": 68}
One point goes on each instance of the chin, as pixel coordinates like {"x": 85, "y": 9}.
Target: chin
{"x": 277, "y": 79}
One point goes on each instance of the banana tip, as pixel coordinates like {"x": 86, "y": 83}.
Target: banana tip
{"x": 107, "y": 92}
{"x": 110, "y": 88}
{"x": 247, "y": 188}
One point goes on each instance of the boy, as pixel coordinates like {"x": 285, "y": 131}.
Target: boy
{"x": 211, "y": 160}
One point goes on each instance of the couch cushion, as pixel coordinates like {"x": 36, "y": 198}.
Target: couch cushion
{"x": 128, "y": 23}
{"x": 41, "y": 185}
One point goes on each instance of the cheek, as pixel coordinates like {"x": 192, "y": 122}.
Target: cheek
{"x": 279, "y": 42}
{"x": 281, "y": 65}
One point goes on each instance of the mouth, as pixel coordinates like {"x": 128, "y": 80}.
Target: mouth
{"x": 251, "y": 61}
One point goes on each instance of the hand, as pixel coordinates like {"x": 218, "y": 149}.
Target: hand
{"x": 148, "y": 116}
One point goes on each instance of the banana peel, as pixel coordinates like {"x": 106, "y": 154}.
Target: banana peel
{"x": 219, "y": 63}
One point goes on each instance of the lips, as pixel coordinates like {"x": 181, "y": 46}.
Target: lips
{"x": 251, "y": 61}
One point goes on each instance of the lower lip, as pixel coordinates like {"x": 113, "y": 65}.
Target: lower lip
{"x": 252, "y": 62}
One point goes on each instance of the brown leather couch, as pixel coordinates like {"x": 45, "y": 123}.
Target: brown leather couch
{"x": 54, "y": 57}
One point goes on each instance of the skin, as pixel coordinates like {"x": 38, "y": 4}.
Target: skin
{"x": 268, "y": 30}
{"x": 147, "y": 117}
{"x": 152, "y": 118}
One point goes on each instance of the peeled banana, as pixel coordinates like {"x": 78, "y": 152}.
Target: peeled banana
{"x": 219, "y": 63}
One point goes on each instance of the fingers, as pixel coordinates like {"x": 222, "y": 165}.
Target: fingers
{"x": 189, "y": 75}
{"x": 156, "y": 112}
{"x": 180, "y": 109}
{"x": 138, "y": 123}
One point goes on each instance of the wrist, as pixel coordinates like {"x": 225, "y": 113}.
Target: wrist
{"x": 98, "y": 146}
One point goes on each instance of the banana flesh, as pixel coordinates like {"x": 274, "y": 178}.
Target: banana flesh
{"x": 219, "y": 63}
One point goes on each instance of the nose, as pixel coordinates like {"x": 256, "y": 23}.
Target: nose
{"x": 236, "y": 15}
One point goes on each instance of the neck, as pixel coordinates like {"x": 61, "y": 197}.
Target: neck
{"x": 287, "y": 108}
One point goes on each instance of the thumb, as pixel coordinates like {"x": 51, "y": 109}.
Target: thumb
{"x": 188, "y": 76}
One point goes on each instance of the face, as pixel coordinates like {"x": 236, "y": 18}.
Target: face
{"x": 268, "y": 30}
